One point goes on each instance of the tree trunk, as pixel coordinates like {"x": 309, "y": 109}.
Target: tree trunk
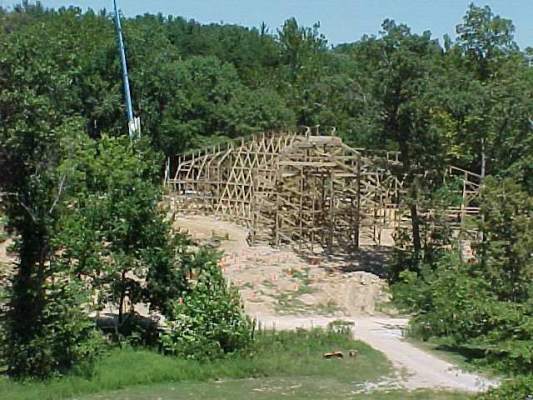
{"x": 28, "y": 295}
{"x": 410, "y": 180}
{"x": 122, "y": 298}
{"x": 415, "y": 225}
{"x": 483, "y": 159}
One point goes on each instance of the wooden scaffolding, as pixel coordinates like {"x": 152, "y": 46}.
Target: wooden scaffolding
{"x": 307, "y": 189}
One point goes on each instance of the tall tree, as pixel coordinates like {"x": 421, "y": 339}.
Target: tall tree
{"x": 404, "y": 65}
{"x": 490, "y": 52}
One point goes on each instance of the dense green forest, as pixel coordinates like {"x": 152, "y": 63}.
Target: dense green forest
{"x": 82, "y": 200}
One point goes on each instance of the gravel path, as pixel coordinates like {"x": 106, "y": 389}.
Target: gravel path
{"x": 415, "y": 368}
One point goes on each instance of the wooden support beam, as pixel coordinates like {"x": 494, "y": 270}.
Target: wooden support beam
{"x": 305, "y": 189}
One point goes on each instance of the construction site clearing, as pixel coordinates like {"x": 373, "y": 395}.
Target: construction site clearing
{"x": 307, "y": 223}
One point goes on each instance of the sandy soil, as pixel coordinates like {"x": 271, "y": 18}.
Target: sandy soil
{"x": 279, "y": 282}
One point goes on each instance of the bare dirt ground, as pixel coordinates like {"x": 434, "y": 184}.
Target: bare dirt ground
{"x": 279, "y": 282}
{"x": 282, "y": 290}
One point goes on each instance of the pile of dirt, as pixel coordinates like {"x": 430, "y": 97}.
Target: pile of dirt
{"x": 278, "y": 281}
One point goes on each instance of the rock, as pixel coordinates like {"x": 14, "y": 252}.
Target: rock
{"x": 307, "y": 299}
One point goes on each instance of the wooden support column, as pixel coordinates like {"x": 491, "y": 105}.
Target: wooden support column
{"x": 331, "y": 212}
{"x": 301, "y": 187}
{"x": 358, "y": 204}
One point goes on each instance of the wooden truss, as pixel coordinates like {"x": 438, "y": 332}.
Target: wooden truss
{"x": 304, "y": 189}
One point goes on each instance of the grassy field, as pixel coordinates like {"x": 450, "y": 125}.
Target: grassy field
{"x": 276, "y": 356}
{"x": 280, "y": 365}
{"x": 467, "y": 361}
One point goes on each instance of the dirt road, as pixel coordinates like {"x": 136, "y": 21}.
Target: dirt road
{"x": 415, "y": 368}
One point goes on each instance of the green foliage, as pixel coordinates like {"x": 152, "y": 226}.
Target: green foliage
{"x": 486, "y": 307}
{"x": 341, "y": 327}
{"x": 3, "y": 233}
{"x": 273, "y": 354}
{"x": 194, "y": 83}
{"x": 114, "y": 233}
{"x": 507, "y": 223}
{"x": 437, "y": 195}
{"x": 62, "y": 337}
{"x": 519, "y": 388}
{"x": 485, "y": 37}
{"x": 209, "y": 320}
{"x": 85, "y": 205}
{"x": 45, "y": 330}
{"x": 457, "y": 303}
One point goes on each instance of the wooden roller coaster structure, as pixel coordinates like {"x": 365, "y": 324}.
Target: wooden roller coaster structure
{"x": 305, "y": 189}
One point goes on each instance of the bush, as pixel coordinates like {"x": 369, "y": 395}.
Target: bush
{"x": 209, "y": 320}
{"x": 485, "y": 307}
{"x": 520, "y": 388}
{"x": 341, "y": 327}
{"x": 63, "y": 338}
{"x": 456, "y": 302}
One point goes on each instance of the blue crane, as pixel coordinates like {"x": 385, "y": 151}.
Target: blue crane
{"x": 134, "y": 124}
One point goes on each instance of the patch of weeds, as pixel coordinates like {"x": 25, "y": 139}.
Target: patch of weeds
{"x": 331, "y": 307}
{"x": 305, "y": 282}
{"x": 257, "y": 298}
{"x": 268, "y": 284}
{"x": 3, "y": 234}
{"x": 341, "y": 327}
{"x": 287, "y": 303}
{"x": 247, "y": 285}
{"x": 302, "y": 275}
{"x": 305, "y": 289}
{"x": 12, "y": 249}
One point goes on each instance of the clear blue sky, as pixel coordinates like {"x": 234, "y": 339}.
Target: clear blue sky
{"x": 341, "y": 20}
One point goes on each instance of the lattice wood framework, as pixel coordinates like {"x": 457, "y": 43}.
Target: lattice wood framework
{"x": 304, "y": 189}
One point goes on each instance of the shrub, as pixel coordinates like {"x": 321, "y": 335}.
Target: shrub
{"x": 341, "y": 327}
{"x": 456, "y": 301}
{"x": 3, "y": 233}
{"x": 62, "y": 338}
{"x": 484, "y": 307}
{"x": 209, "y": 319}
{"x": 520, "y": 388}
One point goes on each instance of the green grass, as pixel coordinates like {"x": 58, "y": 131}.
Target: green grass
{"x": 3, "y": 234}
{"x": 441, "y": 348}
{"x": 265, "y": 389}
{"x": 281, "y": 356}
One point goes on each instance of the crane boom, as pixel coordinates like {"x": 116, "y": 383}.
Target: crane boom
{"x": 133, "y": 123}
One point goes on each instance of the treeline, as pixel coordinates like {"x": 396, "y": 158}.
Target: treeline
{"x": 465, "y": 101}
{"x": 192, "y": 83}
